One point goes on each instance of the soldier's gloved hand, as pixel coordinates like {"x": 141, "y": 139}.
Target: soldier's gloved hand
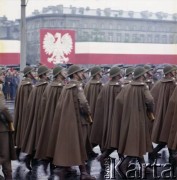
{"x": 11, "y": 127}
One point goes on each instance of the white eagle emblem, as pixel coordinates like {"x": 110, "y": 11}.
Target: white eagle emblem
{"x": 58, "y": 47}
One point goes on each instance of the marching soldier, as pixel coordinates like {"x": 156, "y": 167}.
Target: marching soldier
{"x": 49, "y": 101}
{"x": 92, "y": 90}
{"x": 102, "y": 123}
{"x": 7, "y": 151}
{"x": 128, "y": 75}
{"x": 149, "y": 81}
{"x": 34, "y": 117}
{"x": 170, "y": 127}
{"x": 130, "y": 133}
{"x": 175, "y": 72}
{"x": 72, "y": 117}
{"x": 21, "y": 100}
{"x": 162, "y": 92}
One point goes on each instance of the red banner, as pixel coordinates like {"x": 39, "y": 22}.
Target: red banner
{"x": 57, "y": 46}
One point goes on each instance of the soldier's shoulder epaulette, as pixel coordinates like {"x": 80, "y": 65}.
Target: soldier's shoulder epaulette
{"x": 68, "y": 86}
{"x": 122, "y": 85}
{"x": 26, "y": 83}
{"x": 146, "y": 87}
{"x": 41, "y": 83}
{"x": 138, "y": 83}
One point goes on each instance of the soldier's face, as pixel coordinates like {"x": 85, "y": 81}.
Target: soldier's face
{"x": 149, "y": 74}
{"x": 80, "y": 75}
{"x": 101, "y": 74}
{"x": 174, "y": 73}
{"x": 144, "y": 76}
{"x": 64, "y": 73}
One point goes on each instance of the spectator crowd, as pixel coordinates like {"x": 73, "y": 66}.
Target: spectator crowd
{"x": 11, "y": 83}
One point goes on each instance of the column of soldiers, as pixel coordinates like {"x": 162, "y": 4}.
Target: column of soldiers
{"x": 59, "y": 123}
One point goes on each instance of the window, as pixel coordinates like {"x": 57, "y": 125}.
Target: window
{"x": 119, "y": 38}
{"x": 126, "y": 37}
{"x": 94, "y": 25}
{"x": 164, "y": 39}
{"x": 142, "y": 38}
{"x": 135, "y": 38}
{"x": 156, "y": 40}
{"x": 110, "y": 37}
{"x": 171, "y": 39}
{"x": 110, "y": 26}
{"x": 149, "y": 38}
{"x": 119, "y": 26}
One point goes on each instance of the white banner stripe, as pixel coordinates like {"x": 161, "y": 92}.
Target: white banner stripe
{"x": 9, "y": 46}
{"x": 125, "y": 48}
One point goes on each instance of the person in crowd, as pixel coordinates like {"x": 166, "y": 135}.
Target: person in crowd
{"x": 128, "y": 75}
{"x": 7, "y": 151}
{"x": 20, "y": 108}
{"x": 33, "y": 118}
{"x": 149, "y": 76}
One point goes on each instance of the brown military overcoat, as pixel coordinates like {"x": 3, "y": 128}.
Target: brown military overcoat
{"x": 33, "y": 117}
{"x": 130, "y": 132}
{"x": 92, "y": 90}
{"x": 7, "y": 151}
{"x": 102, "y": 123}
{"x": 71, "y": 109}
{"x": 21, "y": 100}
{"x": 170, "y": 123}
{"x": 161, "y": 92}
{"x": 49, "y": 100}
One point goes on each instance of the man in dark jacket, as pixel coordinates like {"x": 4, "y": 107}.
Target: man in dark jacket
{"x": 7, "y": 151}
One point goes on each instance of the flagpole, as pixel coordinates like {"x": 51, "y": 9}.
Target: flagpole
{"x": 23, "y": 36}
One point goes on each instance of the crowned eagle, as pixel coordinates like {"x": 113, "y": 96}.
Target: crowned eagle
{"x": 57, "y": 47}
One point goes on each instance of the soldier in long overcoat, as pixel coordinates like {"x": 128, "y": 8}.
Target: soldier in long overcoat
{"x": 72, "y": 119}
{"x": 130, "y": 132}
{"x": 49, "y": 101}
{"x": 102, "y": 123}
{"x": 34, "y": 117}
{"x": 92, "y": 90}
{"x": 162, "y": 92}
{"x": 170, "y": 127}
{"x": 21, "y": 100}
{"x": 128, "y": 75}
{"x": 7, "y": 151}
{"x": 149, "y": 80}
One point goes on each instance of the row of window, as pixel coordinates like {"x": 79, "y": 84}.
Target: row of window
{"x": 129, "y": 38}
{"x": 128, "y": 26}
{"x": 98, "y": 36}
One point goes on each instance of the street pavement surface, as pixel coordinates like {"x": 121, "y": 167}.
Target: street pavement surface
{"x": 20, "y": 171}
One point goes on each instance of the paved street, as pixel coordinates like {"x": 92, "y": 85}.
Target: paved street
{"x": 21, "y": 173}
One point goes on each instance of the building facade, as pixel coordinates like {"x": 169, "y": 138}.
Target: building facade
{"x": 96, "y": 25}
